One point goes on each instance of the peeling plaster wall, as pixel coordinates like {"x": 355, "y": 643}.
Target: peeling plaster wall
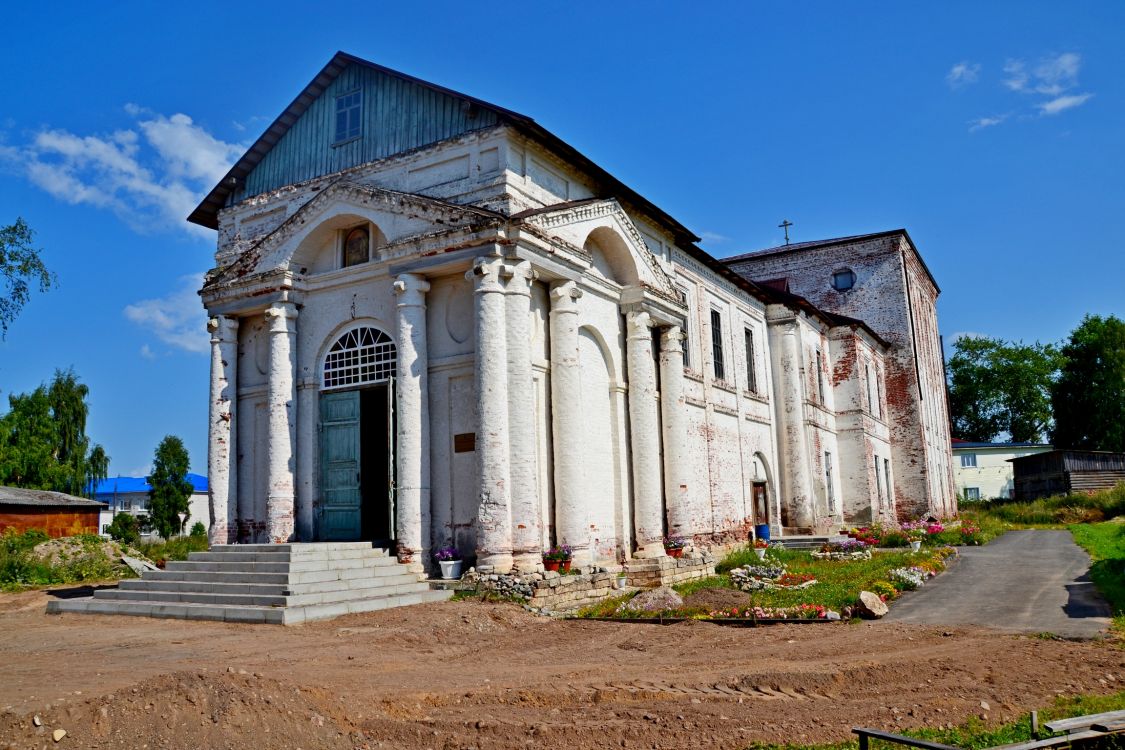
{"x": 894, "y": 296}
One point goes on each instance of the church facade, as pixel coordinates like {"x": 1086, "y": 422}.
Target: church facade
{"x": 435, "y": 323}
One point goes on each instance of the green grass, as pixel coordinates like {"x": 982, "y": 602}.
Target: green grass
{"x": 974, "y": 735}
{"x": 1105, "y": 542}
{"x": 21, "y": 568}
{"x": 176, "y": 548}
{"x": 1053, "y": 512}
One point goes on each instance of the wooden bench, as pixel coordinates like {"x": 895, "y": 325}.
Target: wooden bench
{"x": 1076, "y": 729}
{"x": 865, "y": 736}
{"x": 1086, "y": 723}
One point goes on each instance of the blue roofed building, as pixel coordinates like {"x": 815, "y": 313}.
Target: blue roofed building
{"x": 130, "y": 495}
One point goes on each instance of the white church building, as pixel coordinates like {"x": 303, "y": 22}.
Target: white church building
{"x": 433, "y": 322}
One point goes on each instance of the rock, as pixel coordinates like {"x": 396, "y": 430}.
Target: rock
{"x": 36, "y": 720}
{"x": 831, "y": 615}
{"x": 654, "y": 600}
{"x": 985, "y": 706}
{"x": 58, "y": 734}
{"x": 870, "y": 605}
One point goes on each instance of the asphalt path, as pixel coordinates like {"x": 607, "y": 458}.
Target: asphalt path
{"x": 1023, "y": 581}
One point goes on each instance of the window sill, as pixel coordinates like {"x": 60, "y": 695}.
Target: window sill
{"x": 337, "y": 144}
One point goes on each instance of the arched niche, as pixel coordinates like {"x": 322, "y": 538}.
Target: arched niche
{"x": 611, "y": 256}
{"x": 321, "y": 249}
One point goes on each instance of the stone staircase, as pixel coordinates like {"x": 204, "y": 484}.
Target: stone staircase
{"x": 265, "y": 583}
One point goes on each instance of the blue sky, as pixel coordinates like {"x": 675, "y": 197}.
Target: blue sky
{"x": 994, "y": 132}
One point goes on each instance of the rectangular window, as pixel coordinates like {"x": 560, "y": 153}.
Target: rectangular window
{"x": 880, "y": 391}
{"x": 717, "y": 345}
{"x": 879, "y": 481}
{"x": 968, "y": 460}
{"x": 820, "y": 378}
{"x": 887, "y": 479}
{"x": 348, "y": 116}
{"x": 871, "y": 403}
{"x": 687, "y": 328}
{"x": 972, "y": 493}
{"x": 828, "y": 481}
{"x": 751, "y": 370}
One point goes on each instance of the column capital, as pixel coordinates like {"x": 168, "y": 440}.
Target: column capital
{"x": 281, "y": 317}
{"x": 411, "y": 288}
{"x": 222, "y": 328}
{"x": 671, "y": 339}
{"x": 486, "y": 275}
{"x": 638, "y": 323}
{"x": 564, "y": 296}
{"x": 520, "y": 277}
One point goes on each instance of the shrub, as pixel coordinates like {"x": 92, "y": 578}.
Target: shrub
{"x": 884, "y": 590}
{"x": 124, "y": 528}
{"x": 199, "y": 529}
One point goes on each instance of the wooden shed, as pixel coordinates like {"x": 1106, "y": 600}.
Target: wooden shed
{"x": 56, "y": 513}
{"x": 1061, "y": 472}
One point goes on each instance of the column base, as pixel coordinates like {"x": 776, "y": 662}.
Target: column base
{"x": 500, "y": 562}
{"x": 581, "y": 557}
{"x": 650, "y": 550}
{"x": 528, "y": 562}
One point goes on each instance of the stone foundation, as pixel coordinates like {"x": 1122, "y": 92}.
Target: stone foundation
{"x": 551, "y": 592}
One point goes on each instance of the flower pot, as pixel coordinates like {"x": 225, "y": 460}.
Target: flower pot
{"x": 678, "y": 552}
{"x": 564, "y": 566}
{"x": 915, "y": 545}
{"x": 760, "y": 552}
{"x": 621, "y": 582}
{"x": 450, "y": 569}
{"x": 551, "y": 564}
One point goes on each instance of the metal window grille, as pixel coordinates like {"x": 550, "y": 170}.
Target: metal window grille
{"x": 717, "y": 344}
{"x": 360, "y": 356}
{"x": 828, "y": 481}
{"x": 820, "y": 378}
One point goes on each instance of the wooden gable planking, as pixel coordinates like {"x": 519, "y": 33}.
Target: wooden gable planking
{"x": 398, "y": 115}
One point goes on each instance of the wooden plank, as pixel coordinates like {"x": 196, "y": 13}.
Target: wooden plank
{"x": 1084, "y": 722}
{"x": 1064, "y": 739}
{"x": 1109, "y": 726}
{"x": 899, "y": 739}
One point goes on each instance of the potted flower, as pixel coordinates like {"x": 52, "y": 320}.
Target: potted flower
{"x": 557, "y": 558}
{"x": 450, "y": 561}
{"x": 674, "y": 546}
{"x": 760, "y": 547}
{"x": 915, "y": 536}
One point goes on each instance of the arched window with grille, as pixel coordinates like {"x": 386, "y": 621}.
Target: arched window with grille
{"x": 362, "y": 356}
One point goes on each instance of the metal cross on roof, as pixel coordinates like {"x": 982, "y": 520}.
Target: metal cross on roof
{"x": 785, "y": 224}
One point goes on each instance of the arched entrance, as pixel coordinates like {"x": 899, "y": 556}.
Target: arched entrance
{"x": 357, "y": 438}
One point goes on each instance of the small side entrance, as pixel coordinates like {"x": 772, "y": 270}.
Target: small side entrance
{"x": 357, "y": 465}
{"x": 761, "y": 504}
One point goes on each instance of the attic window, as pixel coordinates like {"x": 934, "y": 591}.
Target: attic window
{"x": 348, "y": 125}
{"x": 357, "y": 247}
{"x": 843, "y": 280}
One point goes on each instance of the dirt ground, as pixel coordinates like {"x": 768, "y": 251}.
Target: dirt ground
{"x": 470, "y": 675}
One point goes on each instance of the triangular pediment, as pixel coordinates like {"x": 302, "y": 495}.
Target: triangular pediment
{"x": 575, "y": 222}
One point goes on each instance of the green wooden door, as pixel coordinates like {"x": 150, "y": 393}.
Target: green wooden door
{"x": 340, "y": 497}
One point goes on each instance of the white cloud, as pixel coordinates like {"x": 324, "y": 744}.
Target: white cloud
{"x": 177, "y": 319}
{"x": 962, "y": 74}
{"x": 713, "y": 237}
{"x": 147, "y": 352}
{"x": 1017, "y": 75}
{"x": 1063, "y": 103}
{"x": 986, "y": 122}
{"x": 151, "y": 176}
{"x": 1055, "y": 75}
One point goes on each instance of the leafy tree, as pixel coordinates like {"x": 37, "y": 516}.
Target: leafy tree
{"x": 1089, "y": 397}
{"x": 20, "y": 268}
{"x": 171, "y": 491}
{"x": 198, "y": 529}
{"x": 124, "y": 528}
{"x": 998, "y": 386}
{"x": 43, "y": 442}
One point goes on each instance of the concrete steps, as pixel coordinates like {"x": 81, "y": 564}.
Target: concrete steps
{"x": 265, "y": 583}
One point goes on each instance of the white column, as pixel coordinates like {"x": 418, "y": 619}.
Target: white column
{"x": 412, "y": 493}
{"x": 282, "y": 405}
{"x": 794, "y": 451}
{"x": 527, "y": 550}
{"x": 571, "y": 523}
{"x": 494, "y": 513}
{"x": 644, "y": 433}
{"x": 222, "y": 471}
{"x": 674, "y": 424}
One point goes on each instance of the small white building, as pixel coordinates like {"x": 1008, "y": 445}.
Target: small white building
{"x": 983, "y": 471}
{"x": 130, "y": 495}
{"x": 434, "y": 322}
